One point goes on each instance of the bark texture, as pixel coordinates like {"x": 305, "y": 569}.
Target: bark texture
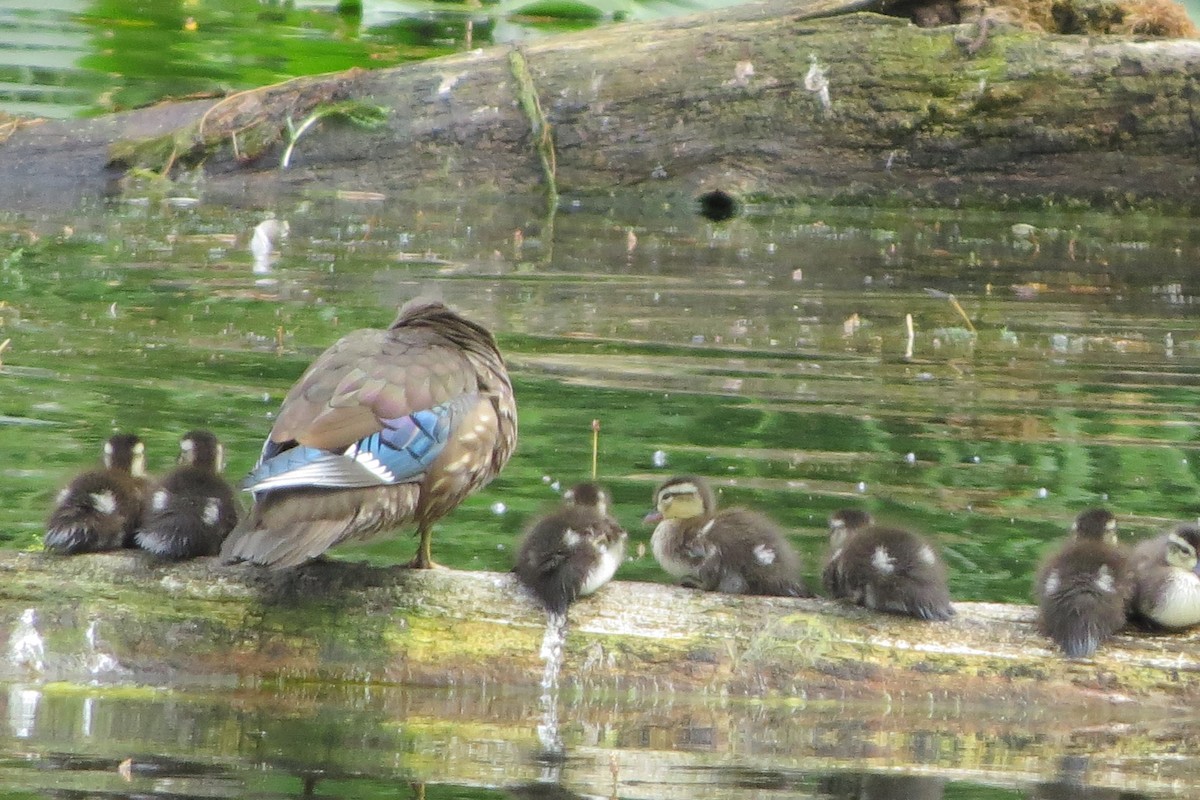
{"x": 341, "y": 621}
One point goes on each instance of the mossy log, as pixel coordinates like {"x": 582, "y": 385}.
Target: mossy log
{"x": 781, "y": 100}
{"x": 342, "y": 621}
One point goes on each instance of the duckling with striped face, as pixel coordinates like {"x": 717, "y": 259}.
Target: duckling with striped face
{"x": 101, "y": 509}
{"x": 1168, "y": 578}
{"x": 884, "y": 569}
{"x": 192, "y": 509}
{"x": 574, "y": 551}
{"x": 735, "y": 550}
{"x": 1083, "y": 589}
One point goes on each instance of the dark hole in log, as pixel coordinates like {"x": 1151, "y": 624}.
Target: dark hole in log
{"x": 717, "y": 205}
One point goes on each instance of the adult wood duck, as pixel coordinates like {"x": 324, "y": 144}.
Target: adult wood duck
{"x": 192, "y": 509}
{"x": 1083, "y": 589}
{"x": 884, "y": 569}
{"x": 101, "y": 509}
{"x": 1167, "y": 574}
{"x": 386, "y": 427}
{"x": 734, "y": 550}
{"x": 573, "y": 551}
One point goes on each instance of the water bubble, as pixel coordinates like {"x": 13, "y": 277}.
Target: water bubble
{"x": 546, "y": 479}
{"x": 910, "y": 458}
{"x": 499, "y": 508}
{"x": 976, "y": 459}
{"x": 1043, "y": 493}
{"x": 556, "y": 486}
{"x": 659, "y": 459}
{"x": 862, "y": 487}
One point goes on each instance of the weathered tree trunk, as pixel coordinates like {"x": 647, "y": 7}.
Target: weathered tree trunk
{"x": 726, "y": 102}
{"x": 341, "y": 621}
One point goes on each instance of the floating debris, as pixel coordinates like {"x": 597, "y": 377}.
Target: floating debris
{"x": 267, "y": 234}
{"x": 816, "y": 82}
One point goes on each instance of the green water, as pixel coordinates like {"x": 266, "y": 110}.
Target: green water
{"x": 767, "y": 354}
{"x": 355, "y": 742}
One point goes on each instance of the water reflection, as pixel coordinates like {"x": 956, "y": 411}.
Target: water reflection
{"x": 354, "y": 742}
{"x": 767, "y": 353}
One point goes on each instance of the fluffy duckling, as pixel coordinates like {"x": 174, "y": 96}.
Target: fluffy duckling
{"x": 1083, "y": 588}
{"x": 734, "y": 550}
{"x": 1167, "y": 573}
{"x": 884, "y": 569}
{"x": 192, "y": 509}
{"x": 572, "y": 552}
{"x": 101, "y": 509}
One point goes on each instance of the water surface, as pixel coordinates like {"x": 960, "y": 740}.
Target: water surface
{"x": 767, "y": 353}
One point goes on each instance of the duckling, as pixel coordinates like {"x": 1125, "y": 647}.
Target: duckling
{"x": 1167, "y": 575}
{"x": 735, "y": 550}
{"x": 384, "y": 428}
{"x": 884, "y": 569}
{"x": 574, "y": 551}
{"x": 101, "y": 509}
{"x": 1083, "y": 589}
{"x": 192, "y": 509}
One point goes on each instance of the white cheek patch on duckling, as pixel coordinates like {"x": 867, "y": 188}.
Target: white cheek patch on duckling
{"x": 104, "y": 502}
{"x": 62, "y": 496}
{"x": 926, "y": 555}
{"x": 212, "y": 511}
{"x": 1051, "y": 584}
{"x": 159, "y": 501}
{"x": 571, "y": 538}
{"x": 882, "y": 560}
{"x": 1104, "y": 580}
{"x": 765, "y": 554}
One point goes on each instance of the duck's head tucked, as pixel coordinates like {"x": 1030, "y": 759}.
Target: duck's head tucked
{"x": 844, "y": 522}
{"x": 683, "y": 498}
{"x": 201, "y": 449}
{"x": 125, "y": 452}
{"x": 1095, "y": 524}
{"x": 386, "y": 427}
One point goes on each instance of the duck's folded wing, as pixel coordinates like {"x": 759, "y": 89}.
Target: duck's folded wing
{"x": 365, "y": 414}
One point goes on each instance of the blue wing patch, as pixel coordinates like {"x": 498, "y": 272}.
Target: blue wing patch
{"x": 399, "y": 453}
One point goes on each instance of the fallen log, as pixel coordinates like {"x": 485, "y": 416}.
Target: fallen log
{"x": 778, "y": 101}
{"x": 348, "y": 622}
